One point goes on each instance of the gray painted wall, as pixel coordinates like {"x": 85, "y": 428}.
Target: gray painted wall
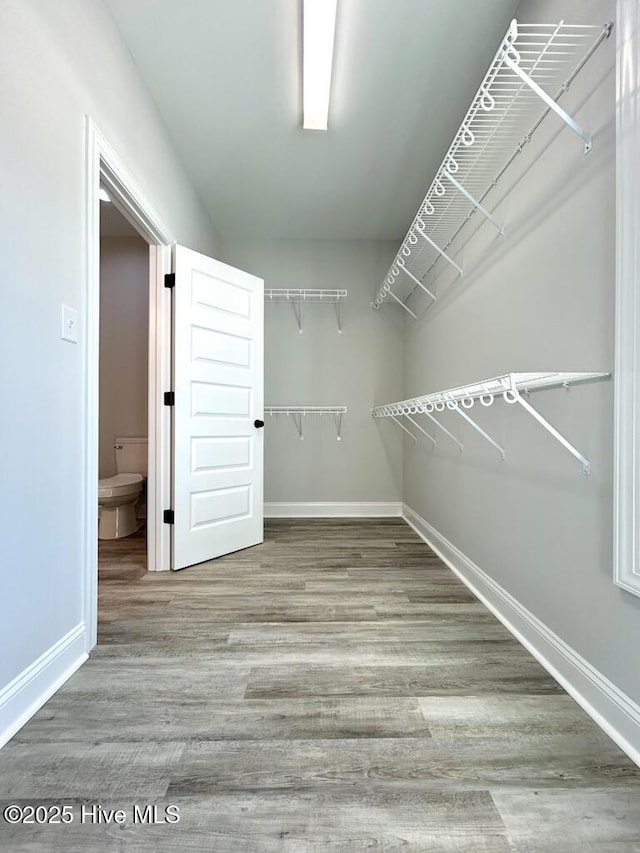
{"x": 358, "y": 369}
{"x": 540, "y": 299}
{"x": 59, "y": 62}
{"x": 124, "y": 343}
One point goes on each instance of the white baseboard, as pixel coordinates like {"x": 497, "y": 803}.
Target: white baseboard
{"x": 615, "y": 712}
{"x": 28, "y": 692}
{"x": 332, "y": 510}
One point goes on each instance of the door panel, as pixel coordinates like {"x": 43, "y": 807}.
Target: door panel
{"x": 218, "y": 382}
{"x": 209, "y": 453}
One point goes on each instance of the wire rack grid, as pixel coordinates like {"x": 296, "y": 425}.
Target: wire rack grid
{"x": 503, "y": 115}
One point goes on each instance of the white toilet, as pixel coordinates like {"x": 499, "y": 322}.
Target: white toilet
{"x": 119, "y": 496}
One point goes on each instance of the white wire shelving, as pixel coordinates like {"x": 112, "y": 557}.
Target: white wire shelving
{"x": 298, "y": 413}
{"x": 533, "y": 61}
{"x": 510, "y": 386}
{"x": 298, "y": 297}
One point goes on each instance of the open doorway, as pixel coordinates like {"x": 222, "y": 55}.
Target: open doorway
{"x": 106, "y": 170}
{"x": 205, "y": 390}
{"x": 123, "y": 446}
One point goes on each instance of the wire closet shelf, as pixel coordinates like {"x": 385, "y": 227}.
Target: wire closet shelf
{"x": 510, "y": 387}
{"x": 297, "y": 413}
{"x": 512, "y": 101}
{"x": 297, "y": 297}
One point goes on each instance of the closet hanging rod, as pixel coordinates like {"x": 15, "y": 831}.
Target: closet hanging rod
{"x": 508, "y": 108}
{"x": 511, "y": 387}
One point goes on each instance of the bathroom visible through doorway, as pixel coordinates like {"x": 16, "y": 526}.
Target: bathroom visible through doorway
{"x": 123, "y": 463}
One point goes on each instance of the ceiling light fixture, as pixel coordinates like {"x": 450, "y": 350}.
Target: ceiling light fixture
{"x": 319, "y": 27}
{"x": 103, "y": 195}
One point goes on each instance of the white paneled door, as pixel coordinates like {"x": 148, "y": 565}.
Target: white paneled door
{"x": 218, "y": 415}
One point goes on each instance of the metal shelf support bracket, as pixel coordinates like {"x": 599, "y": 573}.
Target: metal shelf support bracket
{"x": 296, "y": 417}
{"x": 474, "y": 202}
{"x": 445, "y": 430}
{"x": 423, "y": 431}
{"x": 549, "y": 101}
{"x": 401, "y": 264}
{"x": 479, "y": 429}
{"x": 440, "y": 251}
{"x": 403, "y": 427}
{"x": 526, "y": 405}
{"x": 406, "y": 308}
{"x": 296, "y": 296}
{"x": 297, "y": 413}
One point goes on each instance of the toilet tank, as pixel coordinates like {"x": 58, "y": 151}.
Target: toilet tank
{"x": 131, "y": 456}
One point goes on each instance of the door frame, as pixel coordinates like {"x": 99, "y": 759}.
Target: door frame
{"x": 103, "y": 165}
{"x": 626, "y": 377}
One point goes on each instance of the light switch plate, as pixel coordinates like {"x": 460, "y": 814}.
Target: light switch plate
{"x": 69, "y": 324}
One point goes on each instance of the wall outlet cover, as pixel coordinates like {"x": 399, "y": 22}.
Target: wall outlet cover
{"x": 69, "y": 324}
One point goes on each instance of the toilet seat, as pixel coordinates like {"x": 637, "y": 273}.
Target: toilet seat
{"x": 121, "y": 484}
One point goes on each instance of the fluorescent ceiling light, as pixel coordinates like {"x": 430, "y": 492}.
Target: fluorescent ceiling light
{"x": 319, "y": 27}
{"x": 103, "y": 195}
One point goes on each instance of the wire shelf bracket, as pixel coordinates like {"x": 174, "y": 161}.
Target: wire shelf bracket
{"x": 476, "y": 204}
{"x": 298, "y": 296}
{"x": 403, "y": 427}
{"x": 482, "y": 432}
{"x": 517, "y": 398}
{"x": 421, "y": 229}
{"x": 403, "y": 267}
{"x": 510, "y": 387}
{"x": 298, "y": 413}
{"x": 549, "y": 101}
{"x": 532, "y": 61}
{"x": 423, "y": 431}
{"x": 445, "y": 430}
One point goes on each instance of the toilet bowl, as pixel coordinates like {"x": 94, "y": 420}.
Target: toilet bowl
{"x": 119, "y": 496}
{"x": 117, "y": 500}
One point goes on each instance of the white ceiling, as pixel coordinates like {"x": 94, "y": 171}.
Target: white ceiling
{"x": 225, "y": 75}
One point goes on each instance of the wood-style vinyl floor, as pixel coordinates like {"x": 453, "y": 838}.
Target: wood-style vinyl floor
{"x": 336, "y": 688}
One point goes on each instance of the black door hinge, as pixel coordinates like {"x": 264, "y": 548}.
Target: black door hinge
{"x": 170, "y": 279}
{"x": 169, "y": 398}
{"x": 169, "y": 516}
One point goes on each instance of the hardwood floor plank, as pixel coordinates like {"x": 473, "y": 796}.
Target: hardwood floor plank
{"x": 417, "y": 612}
{"x": 591, "y": 820}
{"x": 110, "y": 719}
{"x": 345, "y": 654}
{"x": 442, "y": 625}
{"x": 305, "y": 821}
{"x": 263, "y": 613}
{"x": 494, "y": 715}
{"x": 173, "y": 678}
{"x": 458, "y": 679}
{"x": 86, "y": 770}
{"x": 206, "y": 599}
{"x": 150, "y": 632}
{"x": 400, "y": 764}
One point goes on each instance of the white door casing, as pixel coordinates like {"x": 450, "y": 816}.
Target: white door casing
{"x": 626, "y": 491}
{"x": 218, "y": 385}
{"x": 103, "y": 165}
